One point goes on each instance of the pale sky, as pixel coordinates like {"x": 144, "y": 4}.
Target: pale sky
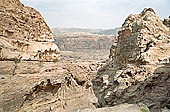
{"x": 105, "y": 14}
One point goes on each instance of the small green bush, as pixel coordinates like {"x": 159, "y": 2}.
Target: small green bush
{"x": 17, "y": 60}
{"x": 143, "y": 110}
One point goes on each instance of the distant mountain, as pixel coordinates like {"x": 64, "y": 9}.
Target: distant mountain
{"x": 109, "y": 31}
{"x": 93, "y": 31}
{"x": 73, "y": 30}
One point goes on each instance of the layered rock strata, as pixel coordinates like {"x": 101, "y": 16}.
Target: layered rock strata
{"x": 83, "y": 41}
{"x": 24, "y": 33}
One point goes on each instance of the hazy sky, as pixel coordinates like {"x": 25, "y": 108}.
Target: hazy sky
{"x": 94, "y": 13}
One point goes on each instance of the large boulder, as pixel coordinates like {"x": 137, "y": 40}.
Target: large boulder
{"x": 24, "y": 33}
{"x": 139, "y": 71}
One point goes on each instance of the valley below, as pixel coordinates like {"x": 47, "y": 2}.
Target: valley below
{"x": 124, "y": 69}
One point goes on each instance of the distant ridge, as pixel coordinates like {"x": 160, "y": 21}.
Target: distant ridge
{"x": 93, "y": 31}
{"x": 109, "y": 31}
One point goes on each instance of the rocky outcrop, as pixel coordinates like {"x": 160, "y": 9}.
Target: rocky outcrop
{"x": 112, "y": 50}
{"x": 166, "y": 21}
{"x": 24, "y": 34}
{"x": 139, "y": 71}
{"x": 143, "y": 39}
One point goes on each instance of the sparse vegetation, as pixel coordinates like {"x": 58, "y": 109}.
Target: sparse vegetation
{"x": 41, "y": 64}
{"x": 144, "y": 110}
{"x": 16, "y": 61}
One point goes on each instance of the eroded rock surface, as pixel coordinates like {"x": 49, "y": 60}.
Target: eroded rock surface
{"x": 46, "y": 86}
{"x": 24, "y": 33}
{"x": 139, "y": 71}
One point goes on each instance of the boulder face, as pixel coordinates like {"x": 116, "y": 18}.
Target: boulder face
{"x": 24, "y": 33}
{"x": 139, "y": 71}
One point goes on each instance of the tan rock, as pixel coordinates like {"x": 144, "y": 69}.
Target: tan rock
{"x": 143, "y": 39}
{"x": 24, "y": 33}
{"x": 36, "y": 86}
{"x": 119, "y": 108}
{"x": 112, "y": 50}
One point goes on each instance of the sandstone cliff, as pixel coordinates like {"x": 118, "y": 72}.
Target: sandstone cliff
{"x": 84, "y": 46}
{"x": 83, "y": 41}
{"x": 139, "y": 71}
{"x": 24, "y": 33}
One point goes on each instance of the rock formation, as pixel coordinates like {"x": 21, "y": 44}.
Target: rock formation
{"x": 139, "y": 71}
{"x": 24, "y": 33}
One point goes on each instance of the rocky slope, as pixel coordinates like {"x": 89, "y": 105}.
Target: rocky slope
{"x": 46, "y": 86}
{"x": 139, "y": 71}
{"x": 24, "y": 33}
{"x": 51, "y": 87}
